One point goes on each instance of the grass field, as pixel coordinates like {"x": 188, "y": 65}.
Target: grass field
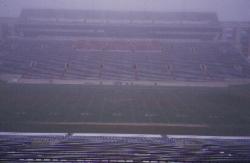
{"x": 136, "y": 109}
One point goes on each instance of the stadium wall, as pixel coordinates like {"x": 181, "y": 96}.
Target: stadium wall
{"x": 248, "y": 53}
{"x": 7, "y": 25}
{"x": 1, "y": 32}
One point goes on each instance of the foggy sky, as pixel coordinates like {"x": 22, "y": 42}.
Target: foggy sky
{"x": 228, "y": 10}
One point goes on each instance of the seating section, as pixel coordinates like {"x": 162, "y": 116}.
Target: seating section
{"x": 63, "y": 15}
{"x": 123, "y": 60}
{"x": 111, "y": 148}
{"x": 132, "y": 31}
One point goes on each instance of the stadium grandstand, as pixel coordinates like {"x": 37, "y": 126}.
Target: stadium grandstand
{"x": 121, "y": 46}
{"x": 117, "y": 86}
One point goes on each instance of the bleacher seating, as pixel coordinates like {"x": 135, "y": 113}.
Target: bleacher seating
{"x": 124, "y": 60}
{"x": 198, "y": 32}
{"x": 121, "y": 148}
{"x": 49, "y": 44}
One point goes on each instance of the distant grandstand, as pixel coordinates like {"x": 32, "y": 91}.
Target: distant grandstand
{"x": 49, "y": 45}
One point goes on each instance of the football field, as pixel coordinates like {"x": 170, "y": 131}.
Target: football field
{"x": 125, "y": 109}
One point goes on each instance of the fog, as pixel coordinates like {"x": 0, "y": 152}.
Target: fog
{"x": 228, "y": 10}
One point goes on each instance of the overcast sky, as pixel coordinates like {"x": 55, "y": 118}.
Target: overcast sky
{"x": 226, "y": 9}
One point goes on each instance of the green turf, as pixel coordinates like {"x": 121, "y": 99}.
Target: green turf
{"x": 125, "y": 104}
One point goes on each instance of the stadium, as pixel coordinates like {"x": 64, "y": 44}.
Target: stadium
{"x": 117, "y": 86}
